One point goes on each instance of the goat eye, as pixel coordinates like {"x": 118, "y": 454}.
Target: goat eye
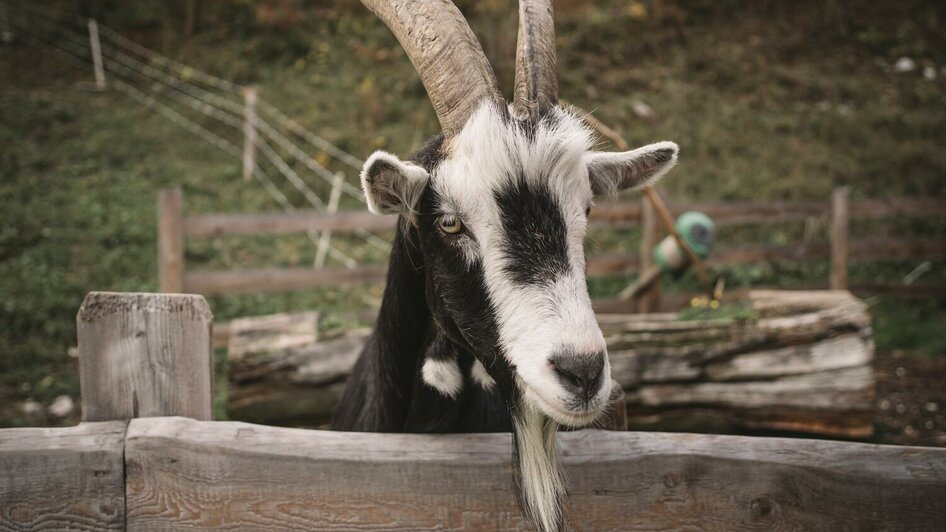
{"x": 587, "y": 210}
{"x": 450, "y": 224}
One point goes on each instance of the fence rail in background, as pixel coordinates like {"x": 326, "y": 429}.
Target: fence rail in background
{"x": 175, "y": 229}
{"x": 145, "y": 473}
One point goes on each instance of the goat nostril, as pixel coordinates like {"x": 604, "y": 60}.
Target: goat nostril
{"x": 580, "y": 374}
{"x": 572, "y": 380}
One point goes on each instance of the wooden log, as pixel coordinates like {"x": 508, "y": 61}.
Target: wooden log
{"x": 279, "y": 279}
{"x": 262, "y": 335}
{"x": 797, "y": 339}
{"x": 300, "y": 385}
{"x": 185, "y": 474}
{"x": 843, "y": 389}
{"x": 145, "y": 355}
{"x": 216, "y": 225}
{"x": 170, "y": 241}
{"x": 839, "y": 238}
{"x": 63, "y": 478}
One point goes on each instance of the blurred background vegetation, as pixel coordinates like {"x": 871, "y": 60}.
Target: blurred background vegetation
{"x": 769, "y": 100}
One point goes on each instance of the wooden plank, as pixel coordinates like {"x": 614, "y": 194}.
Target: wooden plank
{"x": 889, "y": 207}
{"x": 185, "y": 474}
{"x": 624, "y": 213}
{"x": 279, "y": 279}
{"x": 63, "y": 478}
{"x": 216, "y": 225}
{"x": 170, "y": 241}
{"x": 839, "y": 238}
{"x": 145, "y": 355}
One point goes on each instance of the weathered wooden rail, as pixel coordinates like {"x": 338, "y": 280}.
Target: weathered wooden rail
{"x": 175, "y": 229}
{"x": 134, "y": 472}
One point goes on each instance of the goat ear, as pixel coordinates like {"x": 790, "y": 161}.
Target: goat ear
{"x": 392, "y": 186}
{"x": 611, "y": 172}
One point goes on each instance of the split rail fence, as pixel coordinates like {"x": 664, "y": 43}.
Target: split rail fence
{"x": 147, "y": 456}
{"x": 175, "y": 229}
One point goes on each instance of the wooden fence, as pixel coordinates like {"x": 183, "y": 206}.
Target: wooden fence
{"x": 175, "y": 230}
{"x": 134, "y": 463}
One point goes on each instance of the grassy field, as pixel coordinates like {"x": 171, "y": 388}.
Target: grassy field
{"x": 768, "y": 102}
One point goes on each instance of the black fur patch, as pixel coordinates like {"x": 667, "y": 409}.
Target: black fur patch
{"x": 534, "y": 233}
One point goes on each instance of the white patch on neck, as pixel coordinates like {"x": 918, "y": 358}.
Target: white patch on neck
{"x": 541, "y": 480}
{"x": 481, "y": 377}
{"x": 443, "y": 376}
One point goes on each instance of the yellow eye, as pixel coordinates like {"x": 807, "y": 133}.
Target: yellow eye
{"x": 450, "y": 224}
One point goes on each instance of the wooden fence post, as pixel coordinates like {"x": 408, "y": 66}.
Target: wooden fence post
{"x": 325, "y": 239}
{"x": 145, "y": 355}
{"x": 839, "y": 237}
{"x": 649, "y": 301}
{"x": 96, "y": 47}
{"x": 170, "y": 240}
{"x": 249, "y": 132}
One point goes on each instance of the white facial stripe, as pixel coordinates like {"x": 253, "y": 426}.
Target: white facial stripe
{"x": 443, "y": 376}
{"x": 534, "y": 320}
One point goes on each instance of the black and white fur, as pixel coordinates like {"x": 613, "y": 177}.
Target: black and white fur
{"x": 492, "y": 329}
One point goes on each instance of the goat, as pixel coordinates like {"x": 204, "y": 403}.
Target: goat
{"x": 486, "y": 323}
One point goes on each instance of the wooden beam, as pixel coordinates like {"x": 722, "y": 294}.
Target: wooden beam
{"x": 170, "y": 241}
{"x": 63, "y": 478}
{"x": 216, "y": 225}
{"x": 185, "y": 474}
{"x": 145, "y": 355}
{"x": 279, "y": 279}
{"x": 649, "y": 300}
{"x": 741, "y": 213}
{"x": 839, "y": 237}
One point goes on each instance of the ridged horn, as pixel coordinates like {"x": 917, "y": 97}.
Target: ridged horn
{"x": 446, "y": 55}
{"x": 536, "y": 82}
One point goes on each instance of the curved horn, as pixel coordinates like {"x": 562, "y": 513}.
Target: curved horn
{"x": 536, "y": 82}
{"x": 445, "y": 53}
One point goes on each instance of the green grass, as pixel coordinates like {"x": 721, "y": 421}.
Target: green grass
{"x": 763, "y": 108}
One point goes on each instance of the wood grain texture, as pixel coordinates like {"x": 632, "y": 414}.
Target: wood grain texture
{"x": 262, "y": 335}
{"x": 170, "y": 241}
{"x": 145, "y": 355}
{"x": 840, "y": 221}
{"x": 804, "y": 364}
{"x": 215, "y": 225}
{"x": 649, "y": 300}
{"x": 185, "y": 474}
{"x": 279, "y": 279}
{"x": 63, "y": 478}
{"x": 623, "y": 213}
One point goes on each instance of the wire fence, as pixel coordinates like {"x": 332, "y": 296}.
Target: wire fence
{"x": 214, "y": 109}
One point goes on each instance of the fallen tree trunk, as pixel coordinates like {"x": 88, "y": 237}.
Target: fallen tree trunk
{"x": 802, "y": 362}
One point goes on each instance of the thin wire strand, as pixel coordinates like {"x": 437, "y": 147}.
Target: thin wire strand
{"x": 203, "y": 102}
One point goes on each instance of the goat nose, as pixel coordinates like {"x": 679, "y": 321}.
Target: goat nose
{"x": 579, "y": 373}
